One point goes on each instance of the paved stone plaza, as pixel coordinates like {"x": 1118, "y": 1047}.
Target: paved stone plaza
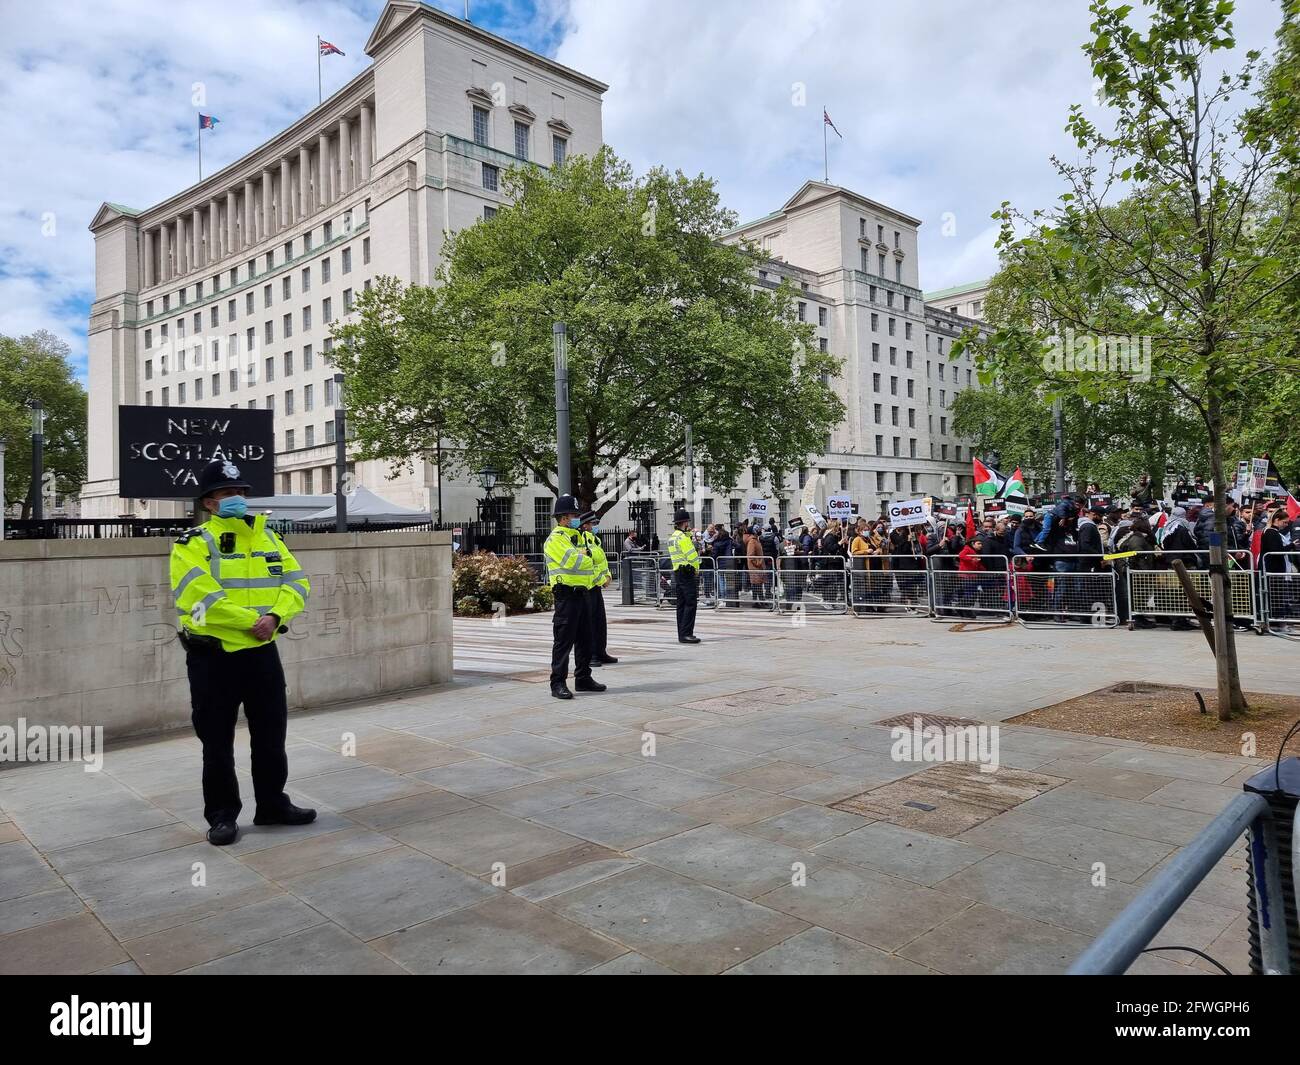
{"x": 618, "y": 863}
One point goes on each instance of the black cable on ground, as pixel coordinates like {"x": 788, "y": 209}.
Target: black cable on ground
{"x": 1199, "y": 953}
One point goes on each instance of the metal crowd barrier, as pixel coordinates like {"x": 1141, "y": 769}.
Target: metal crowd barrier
{"x": 1280, "y": 590}
{"x": 1057, "y": 589}
{"x": 747, "y": 581}
{"x": 666, "y": 590}
{"x": 1154, "y": 590}
{"x": 972, "y": 595}
{"x": 812, "y": 584}
{"x": 537, "y": 566}
{"x": 890, "y": 585}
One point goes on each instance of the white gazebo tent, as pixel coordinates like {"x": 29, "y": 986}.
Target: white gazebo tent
{"x": 364, "y": 505}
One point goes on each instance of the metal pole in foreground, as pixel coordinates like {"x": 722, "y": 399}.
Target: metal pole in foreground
{"x": 1058, "y": 443}
{"x": 563, "y": 468}
{"x": 340, "y": 459}
{"x": 690, "y": 470}
{"x": 38, "y": 459}
{"x": 2, "y": 491}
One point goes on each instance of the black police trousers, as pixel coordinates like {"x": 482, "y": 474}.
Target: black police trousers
{"x": 687, "y": 591}
{"x": 599, "y": 626}
{"x": 219, "y": 682}
{"x": 572, "y": 630}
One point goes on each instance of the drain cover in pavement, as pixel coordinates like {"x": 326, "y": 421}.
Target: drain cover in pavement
{"x": 947, "y": 799}
{"x": 938, "y": 720}
{"x": 739, "y": 703}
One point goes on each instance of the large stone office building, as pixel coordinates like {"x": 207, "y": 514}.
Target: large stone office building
{"x": 223, "y": 295}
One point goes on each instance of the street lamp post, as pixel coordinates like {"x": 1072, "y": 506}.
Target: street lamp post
{"x": 340, "y": 458}
{"x": 2, "y": 491}
{"x": 563, "y": 472}
{"x": 487, "y": 479}
{"x": 38, "y": 457}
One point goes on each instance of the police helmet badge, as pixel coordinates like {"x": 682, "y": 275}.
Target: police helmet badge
{"x": 229, "y": 469}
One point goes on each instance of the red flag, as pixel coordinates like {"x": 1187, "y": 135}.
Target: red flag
{"x": 1292, "y": 507}
{"x": 970, "y": 523}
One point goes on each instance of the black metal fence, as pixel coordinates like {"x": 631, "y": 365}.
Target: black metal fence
{"x": 491, "y": 536}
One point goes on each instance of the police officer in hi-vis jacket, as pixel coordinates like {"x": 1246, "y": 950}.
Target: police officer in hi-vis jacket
{"x": 572, "y": 574}
{"x": 685, "y": 561}
{"x": 236, "y": 585}
{"x": 600, "y": 655}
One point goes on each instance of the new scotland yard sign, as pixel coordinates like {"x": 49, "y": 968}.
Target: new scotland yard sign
{"x": 162, "y": 450}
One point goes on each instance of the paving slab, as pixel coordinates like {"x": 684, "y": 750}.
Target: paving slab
{"x": 423, "y": 806}
{"x": 28, "y": 911}
{"x": 675, "y": 921}
{"x": 302, "y": 856}
{"x": 479, "y": 839}
{"x": 380, "y": 893}
{"x": 903, "y": 852}
{"x": 502, "y": 935}
{"x": 1072, "y": 804}
{"x": 725, "y": 858}
{"x": 60, "y": 948}
{"x": 660, "y": 784}
{"x": 985, "y": 940}
{"x": 631, "y": 964}
{"x": 818, "y": 952}
{"x": 478, "y": 776}
{"x": 805, "y": 826}
{"x": 322, "y": 950}
{"x": 361, "y": 786}
{"x": 742, "y": 806}
{"x": 883, "y": 911}
{"x": 617, "y": 821}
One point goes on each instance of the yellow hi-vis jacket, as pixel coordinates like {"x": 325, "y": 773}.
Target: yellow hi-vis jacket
{"x": 227, "y": 573}
{"x": 598, "y": 557}
{"x": 568, "y": 560}
{"x": 681, "y": 550}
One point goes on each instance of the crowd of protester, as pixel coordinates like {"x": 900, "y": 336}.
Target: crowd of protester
{"x": 1071, "y": 536}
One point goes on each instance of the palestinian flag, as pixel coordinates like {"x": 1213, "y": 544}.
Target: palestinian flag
{"x": 987, "y": 481}
{"x": 1015, "y": 484}
{"x": 1292, "y": 507}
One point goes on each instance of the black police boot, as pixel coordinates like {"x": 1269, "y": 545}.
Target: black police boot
{"x": 223, "y": 833}
{"x": 604, "y": 660}
{"x": 589, "y": 685}
{"x": 288, "y": 814}
{"x": 561, "y": 691}
{"x": 688, "y": 639}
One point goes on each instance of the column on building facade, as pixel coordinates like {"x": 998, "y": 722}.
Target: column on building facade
{"x": 198, "y": 238}
{"x": 304, "y": 182}
{"x": 323, "y": 174}
{"x": 367, "y": 121}
{"x": 250, "y": 226}
{"x": 216, "y": 248}
{"x": 232, "y": 227}
{"x": 286, "y": 194}
{"x": 164, "y": 266}
{"x": 268, "y": 223}
{"x": 182, "y": 252}
{"x": 146, "y": 258}
{"x": 345, "y": 149}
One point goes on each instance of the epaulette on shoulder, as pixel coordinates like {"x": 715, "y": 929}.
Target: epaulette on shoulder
{"x": 187, "y": 535}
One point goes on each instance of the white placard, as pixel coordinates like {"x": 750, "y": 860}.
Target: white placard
{"x": 816, "y": 515}
{"x": 756, "y": 508}
{"x": 1259, "y": 475}
{"x": 839, "y": 506}
{"x": 904, "y": 512}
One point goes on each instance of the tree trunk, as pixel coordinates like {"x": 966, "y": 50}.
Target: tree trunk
{"x": 1231, "y": 700}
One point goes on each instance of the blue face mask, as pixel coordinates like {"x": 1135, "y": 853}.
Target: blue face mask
{"x": 595, "y": 528}
{"x": 233, "y": 507}
{"x": 575, "y": 523}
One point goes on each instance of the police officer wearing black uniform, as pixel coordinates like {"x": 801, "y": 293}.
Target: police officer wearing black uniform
{"x": 235, "y": 585}
{"x": 685, "y": 561}
{"x": 572, "y": 574}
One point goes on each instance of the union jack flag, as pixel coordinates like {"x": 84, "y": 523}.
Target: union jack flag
{"x": 330, "y": 49}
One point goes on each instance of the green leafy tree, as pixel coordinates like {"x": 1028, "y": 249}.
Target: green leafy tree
{"x": 666, "y": 326}
{"x": 36, "y": 367}
{"x": 1195, "y": 165}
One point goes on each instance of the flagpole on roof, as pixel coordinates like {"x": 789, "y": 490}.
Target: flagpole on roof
{"x": 826, "y": 163}
{"x": 320, "y": 94}
{"x": 200, "y": 147}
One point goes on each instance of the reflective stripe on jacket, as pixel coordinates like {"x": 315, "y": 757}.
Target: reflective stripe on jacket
{"x": 598, "y": 558}
{"x": 568, "y": 560}
{"x": 681, "y": 550}
{"x": 222, "y": 593}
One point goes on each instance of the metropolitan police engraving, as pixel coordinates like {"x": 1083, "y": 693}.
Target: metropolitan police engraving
{"x": 163, "y": 449}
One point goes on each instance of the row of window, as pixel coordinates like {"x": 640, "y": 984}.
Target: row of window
{"x": 481, "y": 121}
{"x": 880, "y": 233}
{"x": 192, "y": 391}
{"x": 866, "y": 267}
{"x": 317, "y": 479}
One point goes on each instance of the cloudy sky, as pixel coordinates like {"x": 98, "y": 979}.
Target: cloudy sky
{"x": 945, "y": 106}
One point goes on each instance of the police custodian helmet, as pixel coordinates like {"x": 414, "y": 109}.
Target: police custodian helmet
{"x": 220, "y": 473}
{"x": 566, "y": 505}
{"x": 681, "y": 516}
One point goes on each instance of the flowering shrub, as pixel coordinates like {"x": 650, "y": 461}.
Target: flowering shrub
{"x": 484, "y": 579}
{"x": 543, "y": 598}
{"x": 470, "y": 607}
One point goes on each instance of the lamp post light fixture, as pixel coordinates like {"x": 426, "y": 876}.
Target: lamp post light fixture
{"x": 340, "y": 458}
{"x": 38, "y": 457}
